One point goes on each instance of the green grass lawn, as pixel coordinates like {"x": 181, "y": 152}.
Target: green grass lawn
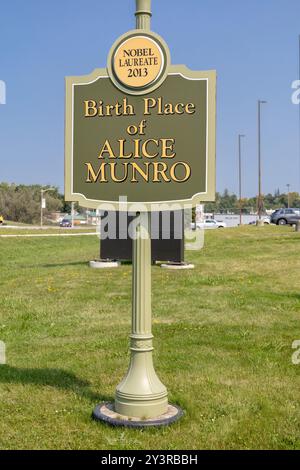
{"x": 44, "y": 231}
{"x": 223, "y": 343}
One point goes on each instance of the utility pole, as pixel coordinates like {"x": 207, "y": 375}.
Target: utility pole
{"x": 299, "y": 103}
{"x": 288, "y": 194}
{"x": 240, "y": 175}
{"x": 259, "y": 201}
{"x": 72, "y": 214}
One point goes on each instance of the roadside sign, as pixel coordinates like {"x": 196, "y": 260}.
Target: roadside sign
{"x": 141, "y": 128}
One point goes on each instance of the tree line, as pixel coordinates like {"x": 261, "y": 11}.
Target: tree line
{"x": 22, "y": 203}
{"x": 229, "y": 203}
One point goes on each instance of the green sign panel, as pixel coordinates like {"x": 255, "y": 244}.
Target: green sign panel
{"x": 142, "y": 129}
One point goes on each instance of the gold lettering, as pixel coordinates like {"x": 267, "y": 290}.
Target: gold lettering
{"x": 167, "y": 144}
{"x": 168, "y": 109}
{"x": 160, "y": 110}
{"x": 148, "y": 104}
{"x": 92, "y": 177}
{"x": 162, "y": 172}
{"x": 187, "y": 172}
{"x": 90, "y": 105}
{"x": 107, "y": 149}
{"x": 113, "y": 172}
{"x": 190, "y": 108}
{"x": 128, "y": 109}
{"x": 118, "y": 109}
{"x": 109, "y": 107}
{"x": 122, "y": 149}
{"x": 135, "y": 168}
{"x": 145, "y": 151}
{"x": 177, "y": 108}
{"x": 137, "y": 148}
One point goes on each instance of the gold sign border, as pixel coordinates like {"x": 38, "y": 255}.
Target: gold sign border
{"x": 163, "y": 74}
{"x": 98, "y": 74}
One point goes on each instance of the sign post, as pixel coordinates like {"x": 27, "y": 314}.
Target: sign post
{"x": 141, "y": 393}
{"x": 142, "y": 129}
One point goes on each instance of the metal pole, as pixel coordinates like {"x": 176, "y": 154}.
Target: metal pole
{"x": 259, "y": 203}
{"x": 141, "y": 394}
{"x": 299, "y": 104}
{"x": 259, "y": 166}
{"x": 72, "y": 214}
{"x": 42, "y": 192}
{"x": 288, "y": 194}
{"x": 240, "y": 176}
{"x": 42, "y": 197}
{"x": 143, "y": 14}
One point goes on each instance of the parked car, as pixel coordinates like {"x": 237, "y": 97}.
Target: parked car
{"x": 65, "y": 223}
{"x": 285, "y": 216}
{"x": 208, "y": 224}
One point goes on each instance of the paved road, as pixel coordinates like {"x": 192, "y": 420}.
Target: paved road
{"x": 31, "y": 235}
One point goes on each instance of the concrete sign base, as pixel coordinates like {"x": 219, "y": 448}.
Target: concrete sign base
{"x": 105, "y": 412}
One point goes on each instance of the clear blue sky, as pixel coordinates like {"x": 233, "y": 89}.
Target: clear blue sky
{"x": 253, "y": 45}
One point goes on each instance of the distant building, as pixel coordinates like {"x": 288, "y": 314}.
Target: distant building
{"x": 78, "y": 219}
{"x": 57, "y": 217}
{"x": 93, "y": 217}
{"x": 199, "y": 211}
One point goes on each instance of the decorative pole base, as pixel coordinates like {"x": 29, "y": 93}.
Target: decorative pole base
{"x": 141, "y": 393}
{"x": 106, "y": 413}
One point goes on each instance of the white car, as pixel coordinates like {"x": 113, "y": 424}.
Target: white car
{"x": 209, "y": 224}
{"x": 266, "y": 221}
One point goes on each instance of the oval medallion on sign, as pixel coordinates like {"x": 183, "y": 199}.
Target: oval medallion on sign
{"x": 138, "y": 62}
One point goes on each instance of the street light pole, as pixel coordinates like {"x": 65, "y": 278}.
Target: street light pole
{"x": 288, "y": 194}
{"x": 72, "y": 214}
{"x": 299, "y": 103}
{"x": 43, "y": 191}
{"x": 240, "y": 175}
{"x": 259, "y": 202}
{"x": 41, "y": 222}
